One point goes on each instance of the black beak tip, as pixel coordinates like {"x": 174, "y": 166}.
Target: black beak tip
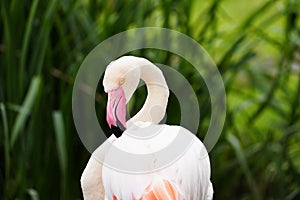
{"x": 116, "y": 131}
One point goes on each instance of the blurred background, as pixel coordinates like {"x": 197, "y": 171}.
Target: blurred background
{"x": 255, "y": 44}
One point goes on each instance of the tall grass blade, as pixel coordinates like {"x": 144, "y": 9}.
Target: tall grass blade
{"x": 234, "y": 142}
{"x": 6, "y": 145}
{"x": 33, "y": 194}
{"x": 8, "y": 42}
{"x": 61, "y": 145}
{"x": 60, "y": 139}
{"x": 26, "y": 108}
{"x": 26, "y": 42}
{"x": 43, "y": 38}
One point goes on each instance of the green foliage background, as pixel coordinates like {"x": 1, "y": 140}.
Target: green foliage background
{"x": 255, "y": 44}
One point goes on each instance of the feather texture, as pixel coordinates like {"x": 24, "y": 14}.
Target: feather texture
{"x": 188, "y": 177}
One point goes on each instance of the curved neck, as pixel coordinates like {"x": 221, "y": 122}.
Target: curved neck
{"x": 156, "y": 102}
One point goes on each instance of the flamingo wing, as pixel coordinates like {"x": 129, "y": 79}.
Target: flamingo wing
{"x": 187, "y": 178}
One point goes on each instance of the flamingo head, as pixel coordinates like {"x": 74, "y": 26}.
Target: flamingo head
{"x": 120, "y": 81}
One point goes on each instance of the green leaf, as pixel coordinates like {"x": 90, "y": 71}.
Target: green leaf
{"x": 6, "y": 140}
{"x": 26, "y": 42}
{"x": 60, "y": 139}
{"x": 61, "y": 145}
{"x": 234, "y": 142}
{"x": 33, "y": 194}
{"x": 27, "y": 105}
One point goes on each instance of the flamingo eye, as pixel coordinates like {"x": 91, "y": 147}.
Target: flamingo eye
{"x": 121, "y": 81}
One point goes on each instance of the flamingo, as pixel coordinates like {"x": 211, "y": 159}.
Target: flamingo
{"x": 185, "y": 178}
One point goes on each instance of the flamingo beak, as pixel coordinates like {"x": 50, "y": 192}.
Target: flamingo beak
{"x": 116, "y": 110}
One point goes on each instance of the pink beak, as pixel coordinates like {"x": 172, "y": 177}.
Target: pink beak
{"x": 116, "y": 108}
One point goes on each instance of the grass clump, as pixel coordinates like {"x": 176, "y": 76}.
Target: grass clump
{"x": 256, "y": 46}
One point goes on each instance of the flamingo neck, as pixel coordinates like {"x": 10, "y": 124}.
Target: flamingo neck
{"x": 156, "y": 102}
